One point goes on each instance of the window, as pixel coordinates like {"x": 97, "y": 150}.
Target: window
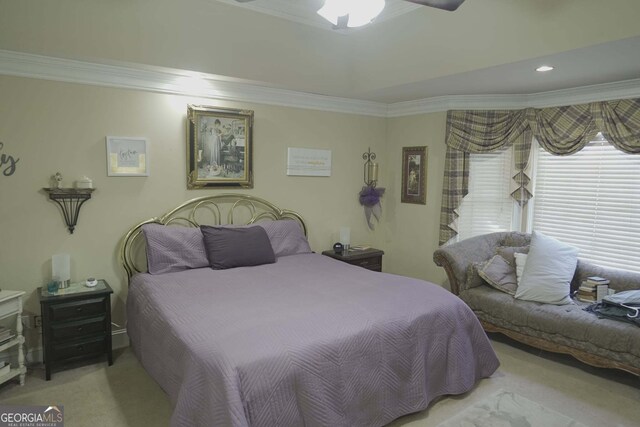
{"x": 488, "y": 207}
{"x": 591, "y": 200}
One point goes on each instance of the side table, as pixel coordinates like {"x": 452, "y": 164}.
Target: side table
{"x": 11, "y": 305}
{"x": 76, "y": 324}
{"x": 371, "y": 259}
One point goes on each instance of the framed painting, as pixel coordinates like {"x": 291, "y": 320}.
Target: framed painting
{"x": 219, "y": 147}
{"x": 127, "y": 156}
{"x": 414, "y": 175}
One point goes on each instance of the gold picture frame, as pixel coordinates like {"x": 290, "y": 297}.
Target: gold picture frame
{"x": 219, "y": 147}
{"x": 414, "y": 175}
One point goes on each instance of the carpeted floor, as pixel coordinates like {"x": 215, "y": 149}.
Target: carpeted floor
{"x": 124, "y": 395}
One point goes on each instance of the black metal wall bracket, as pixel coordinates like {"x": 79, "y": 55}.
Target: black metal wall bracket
{"x": 70, "y": 201}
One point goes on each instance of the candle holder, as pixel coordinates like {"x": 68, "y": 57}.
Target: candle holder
{"x": 370, "y": 172}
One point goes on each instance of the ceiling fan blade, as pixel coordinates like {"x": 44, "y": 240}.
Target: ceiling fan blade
{"x": 449, "y": 5}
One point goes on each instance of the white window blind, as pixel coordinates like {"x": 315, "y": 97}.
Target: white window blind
{"x": 488, "y": 207}
{"x": 591, "y": 200}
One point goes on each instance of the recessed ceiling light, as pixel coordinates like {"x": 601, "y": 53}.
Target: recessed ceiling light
{"x": 544, "y": 68}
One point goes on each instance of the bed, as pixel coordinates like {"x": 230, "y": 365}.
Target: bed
{"x": 306, "y": 340}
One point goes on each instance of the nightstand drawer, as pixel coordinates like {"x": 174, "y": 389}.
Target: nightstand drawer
{"x": 9, "y": 307}
{"x": 77, "y": 309}
{"x": 79, "y": 329}
{"x": 79, "y": 349}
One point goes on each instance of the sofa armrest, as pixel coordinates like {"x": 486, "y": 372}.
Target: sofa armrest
{"x": 457, "y": 257}
{"x": 621, "y": 280}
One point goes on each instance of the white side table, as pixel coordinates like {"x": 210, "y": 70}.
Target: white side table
{"x": 11, "y": 305}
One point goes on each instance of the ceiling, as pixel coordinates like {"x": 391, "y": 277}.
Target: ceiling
{"x": 597, "y": 63}
{"x": 409, "y": 53}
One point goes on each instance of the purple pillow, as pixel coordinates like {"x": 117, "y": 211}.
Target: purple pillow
{"x": 229, "y": 247}
{"x": 174, "y": 248}
{"x": 286, "y": 237}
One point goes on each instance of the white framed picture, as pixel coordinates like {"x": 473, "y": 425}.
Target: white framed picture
{"x": 127, "y": 156}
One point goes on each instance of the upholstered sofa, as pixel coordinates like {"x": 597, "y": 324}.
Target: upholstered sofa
{"x": 558, "y": 328}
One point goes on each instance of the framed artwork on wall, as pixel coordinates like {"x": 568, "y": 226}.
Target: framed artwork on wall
{"x": 414, "y": 175}
{"x": 127, "y": 156}
{"x": 219, "y": 147}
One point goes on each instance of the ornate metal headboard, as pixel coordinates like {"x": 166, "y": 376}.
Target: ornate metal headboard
{"x": 209, "y": 210}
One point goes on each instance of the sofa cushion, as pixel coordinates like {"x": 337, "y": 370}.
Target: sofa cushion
{"x": 509, "y": 252}
{"x": 549, "y": 269}
{"x": 499, "y": 274}
{"x": 568, "y": 325}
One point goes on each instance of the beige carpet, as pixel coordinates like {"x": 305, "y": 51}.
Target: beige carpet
{"x": 124, "y": 395}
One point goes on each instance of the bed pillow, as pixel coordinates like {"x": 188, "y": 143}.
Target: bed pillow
{"x": 499, "y": 274}
{"x": 286, "y": 237}
{"x": 548, "y": 271}
{"x": 229, "y": 247}
{"x": 173, "y": 248}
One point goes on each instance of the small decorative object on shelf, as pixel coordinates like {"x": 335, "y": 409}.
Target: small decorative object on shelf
{"x": 370, "y": 195}
{"x": 70, "y": 201}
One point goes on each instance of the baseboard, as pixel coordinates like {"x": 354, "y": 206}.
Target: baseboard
{"x": 119, "y": 339}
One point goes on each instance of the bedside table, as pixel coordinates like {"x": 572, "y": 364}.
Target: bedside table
{"x": 76, "y": 323}
{"x": 371, "y": 259}
{"x": 11, "y": 305}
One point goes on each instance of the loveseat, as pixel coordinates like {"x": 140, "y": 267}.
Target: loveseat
{"x": 558, "y": 328}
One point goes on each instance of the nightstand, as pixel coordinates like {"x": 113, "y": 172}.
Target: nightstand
{"x": 76, "y": 324}
{"x": 370, "y": 259}
{"x": 11, "y": 305}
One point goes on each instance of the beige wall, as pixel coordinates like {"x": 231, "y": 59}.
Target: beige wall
{"x": 53, "y": 126}
{"x": 411, "y": 230}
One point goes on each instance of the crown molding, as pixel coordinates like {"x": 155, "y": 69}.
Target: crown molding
{"x": 187, "y": 83}
{"x": 573, "y": 96}
{"x": 176, "y": 82}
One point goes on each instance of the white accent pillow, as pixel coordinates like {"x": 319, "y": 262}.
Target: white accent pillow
{"x": 548, "y": 271}
{"x": 521, "y": 261}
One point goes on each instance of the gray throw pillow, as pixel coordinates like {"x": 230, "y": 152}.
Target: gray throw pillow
{"x": 286, "y": 237}
{"x": 173, "y": 248}
{"x": 500, "y": 275}
{"x": 473, "y": 278}
{"x": 508, "y": 253}
{"x": 229, "y": 247}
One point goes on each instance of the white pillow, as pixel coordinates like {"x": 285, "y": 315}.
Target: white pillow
{"x": 521, "y": 261}
{"x": 548, "y": 271}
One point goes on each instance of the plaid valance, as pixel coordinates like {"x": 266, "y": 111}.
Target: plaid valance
{"x": 559, "y": 130}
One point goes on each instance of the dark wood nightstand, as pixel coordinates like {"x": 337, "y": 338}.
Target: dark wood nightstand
{"x": 370, "y": 259}
{"x": 76, "y": 324}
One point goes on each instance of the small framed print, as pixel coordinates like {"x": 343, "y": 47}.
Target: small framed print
{"x": 414, "y": 175}
{"x": 219, "y": 147}
{"x": 127, "y": 156}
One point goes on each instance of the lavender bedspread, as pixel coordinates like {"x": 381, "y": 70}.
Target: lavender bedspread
{"x": 305, "y": 341}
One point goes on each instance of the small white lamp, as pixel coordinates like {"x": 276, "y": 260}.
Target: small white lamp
{"x": 61, "y": 269}
{"x": 345, "y": 238}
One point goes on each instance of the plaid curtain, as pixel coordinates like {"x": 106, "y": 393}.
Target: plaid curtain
{"x": 619, "y": 122}
{"x": 559, "y": 130}
{"x": 480, "y": 132}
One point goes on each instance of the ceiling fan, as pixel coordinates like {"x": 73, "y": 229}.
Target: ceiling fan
{"x": 355, "y": 13}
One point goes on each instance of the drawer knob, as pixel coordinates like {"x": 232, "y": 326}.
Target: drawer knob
{"x": 79, "y": 309}
{"x": 79, "y": 328}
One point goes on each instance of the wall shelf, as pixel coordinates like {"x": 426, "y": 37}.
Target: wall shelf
{"x": 70, "y": 201}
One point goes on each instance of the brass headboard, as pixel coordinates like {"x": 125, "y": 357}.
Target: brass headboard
{"x": 208, "y": 210}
